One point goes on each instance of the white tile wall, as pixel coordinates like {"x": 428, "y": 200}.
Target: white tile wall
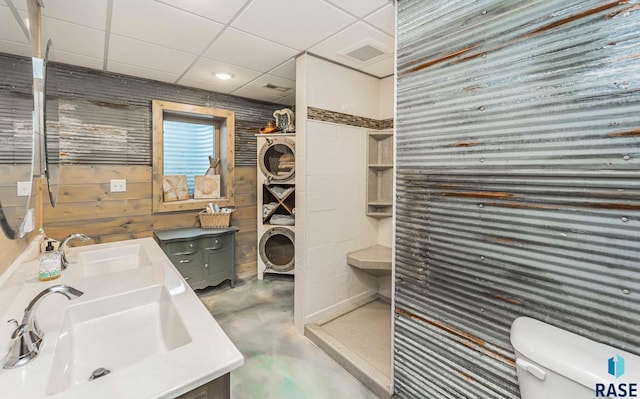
{"x": 336, "y": 88}
{"x": 351, "y": 155}
{"x": 386, "y": 98}
{"x": 321, "y": 149}
{"x": 385, "y": 232}
{"x": 330, "y": 188}
{"x": 320, "y": 228}
{"x": 321, "y": 193}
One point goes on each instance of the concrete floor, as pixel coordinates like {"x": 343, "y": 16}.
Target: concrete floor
{"x": 279, "y": 363}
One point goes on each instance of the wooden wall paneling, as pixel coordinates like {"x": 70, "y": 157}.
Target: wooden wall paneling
{"x": 107, "y": 136}
{"x": 86, "y": 205}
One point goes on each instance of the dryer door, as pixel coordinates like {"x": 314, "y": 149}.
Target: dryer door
{"x": 277, "y": 159}
{"x": 277, "y": 249}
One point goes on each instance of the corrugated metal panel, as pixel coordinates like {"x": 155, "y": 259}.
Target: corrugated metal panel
{"x": 106, "y": 118}
{"x": 16, "y": 108}
{"x": 518, "y": 184}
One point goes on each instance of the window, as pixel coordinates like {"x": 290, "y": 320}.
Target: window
{"x": 187, "y": 147}
{"x": 184, "y": 136}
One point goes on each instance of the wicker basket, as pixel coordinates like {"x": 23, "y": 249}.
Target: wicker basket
{"x": 214, "y": 220}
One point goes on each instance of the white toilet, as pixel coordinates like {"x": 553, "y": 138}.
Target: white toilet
{"x": 556, "y": 364}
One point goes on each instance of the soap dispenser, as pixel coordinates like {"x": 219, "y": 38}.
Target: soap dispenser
{"x": 50, "y": 264}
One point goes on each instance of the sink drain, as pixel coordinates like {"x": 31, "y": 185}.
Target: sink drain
{"x": 99, "y": 372}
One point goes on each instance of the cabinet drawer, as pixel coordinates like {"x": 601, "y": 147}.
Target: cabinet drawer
{"x": 209, "y": 243}
{"x": 186, "y": 261}
{"x": 192, "y": 275}
{"x": 182, "y": 247}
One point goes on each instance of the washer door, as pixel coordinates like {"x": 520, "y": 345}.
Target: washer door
{"x": 277, "y": 159}
{"x": 277, "y": 249}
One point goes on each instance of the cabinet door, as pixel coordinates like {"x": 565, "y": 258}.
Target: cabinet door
{"x": 219, "y": 264}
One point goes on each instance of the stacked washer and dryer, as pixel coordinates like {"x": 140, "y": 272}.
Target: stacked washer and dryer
{"x": 276, "y": 203}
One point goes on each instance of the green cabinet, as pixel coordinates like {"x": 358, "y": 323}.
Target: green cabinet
{"x": 204, "y": 257}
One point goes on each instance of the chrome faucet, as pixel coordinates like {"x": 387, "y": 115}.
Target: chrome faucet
{"x": 27, "y": 337}
{"x": 63, "y": 256}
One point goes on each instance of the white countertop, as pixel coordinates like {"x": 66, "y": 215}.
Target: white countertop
{"x": 209, "y": 354}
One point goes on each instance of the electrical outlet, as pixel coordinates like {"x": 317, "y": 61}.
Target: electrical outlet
{"x": 24, "y": 188}
{"x": 118, "y": 185}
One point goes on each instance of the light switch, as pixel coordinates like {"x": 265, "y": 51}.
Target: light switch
{"x": 118, "y": 185}
{"x": 24, "y": 188}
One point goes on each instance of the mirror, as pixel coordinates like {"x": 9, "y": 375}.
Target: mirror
{"x": 51, "y": 125}
{"x": 17, "y": 110}
{"x": 190, "y": 142}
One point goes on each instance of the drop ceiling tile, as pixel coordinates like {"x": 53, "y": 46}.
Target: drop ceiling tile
{"x": 146, "y": 73}
{"x": 207, "y": 85}
{"x": 15, "y": 48}
{"x": 384, "y": 19}
{"x": 73, "y": 38}
{"x": 351, "y": 38}
{"x": 381, "y": 68}
{"x": 255, "y": 95}
{"x": 292, "y": 23}
{"x": 92, "y": 14}
{"x": 160, "y": 24}
{"x": 240, "y": 48}
{"x": 204, "y": 69}
{"x": 286, "y": 70}
{"x": 146, "y": 55}
{"x": 289, "y": 100}
{"x": 76, "y": 59}
{"x": 359, "y": 7}
{"x": 217, "y": 10}
{"x": 11, "y": 30}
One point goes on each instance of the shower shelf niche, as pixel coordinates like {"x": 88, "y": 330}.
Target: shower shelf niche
{"x": 278, "y": 202}
{"x": 380, "y": 173}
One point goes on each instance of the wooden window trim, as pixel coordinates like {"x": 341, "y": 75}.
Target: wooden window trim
{"x": 226, "y": 132}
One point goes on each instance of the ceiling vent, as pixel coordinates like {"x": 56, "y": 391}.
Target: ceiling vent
{"x": 366, "y": 51}
{"x": 276, "y": 88}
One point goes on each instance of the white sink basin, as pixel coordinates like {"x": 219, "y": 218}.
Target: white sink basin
{"x": 114, "y": 333}
{"x": 137, "y": 317}
{"x": 103, "y": 261}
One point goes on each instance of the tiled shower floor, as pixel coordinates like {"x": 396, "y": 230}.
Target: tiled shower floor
{"x": 279, "y": 363}
{"x": 360, "y": 340}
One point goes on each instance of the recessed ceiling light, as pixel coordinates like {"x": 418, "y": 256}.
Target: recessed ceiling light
{"x": 223, "y": 76}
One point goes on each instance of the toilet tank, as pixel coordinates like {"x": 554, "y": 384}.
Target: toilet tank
{"x": 553, "y": 363}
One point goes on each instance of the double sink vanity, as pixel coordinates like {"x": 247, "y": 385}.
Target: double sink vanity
{"x": 137, "y": 330}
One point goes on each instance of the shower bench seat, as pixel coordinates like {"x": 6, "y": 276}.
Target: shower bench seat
{"x": 375, "y": 260}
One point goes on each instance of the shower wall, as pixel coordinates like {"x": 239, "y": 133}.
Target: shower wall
{"x": 336, "y": 106}
{"x": 517, "y": 138}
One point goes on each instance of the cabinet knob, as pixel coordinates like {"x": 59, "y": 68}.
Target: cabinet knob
{"x": 190, "y": 245}
{"x": 206, "y": 265}
{"x": 216, "y": 241}
{"x": 185, "y": 260}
